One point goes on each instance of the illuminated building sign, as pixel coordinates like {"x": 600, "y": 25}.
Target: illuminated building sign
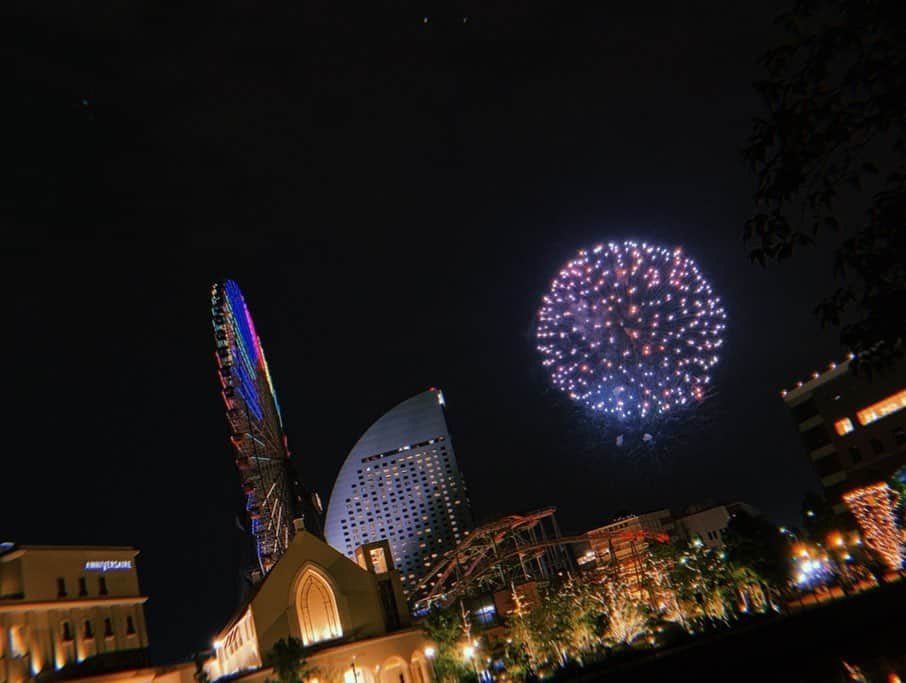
{"x": 882, "y": 408}
{"x": 107, "y": 565}
{"x": 844, "y": 426}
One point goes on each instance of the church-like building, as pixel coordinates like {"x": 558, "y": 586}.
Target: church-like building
{"x": 351, "y": 617}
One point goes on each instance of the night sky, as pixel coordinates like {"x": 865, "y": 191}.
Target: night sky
{"x": 394, "y": 197}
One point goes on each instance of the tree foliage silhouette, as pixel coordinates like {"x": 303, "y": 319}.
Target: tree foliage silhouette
{"x": 833, "y": 139}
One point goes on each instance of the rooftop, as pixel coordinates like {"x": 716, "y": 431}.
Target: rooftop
{"x": 833, "y": 371}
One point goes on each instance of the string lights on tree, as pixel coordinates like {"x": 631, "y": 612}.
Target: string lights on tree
{"x": 874, "y": 508}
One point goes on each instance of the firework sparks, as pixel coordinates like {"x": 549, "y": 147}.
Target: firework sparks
{"x": 631, "y": 330}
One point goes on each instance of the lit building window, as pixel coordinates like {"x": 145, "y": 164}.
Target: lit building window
{"x": 883, "y": 408}
{"x": 844, "y": 426}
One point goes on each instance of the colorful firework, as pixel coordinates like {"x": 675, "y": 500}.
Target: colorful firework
{"x": 631, "y": 330}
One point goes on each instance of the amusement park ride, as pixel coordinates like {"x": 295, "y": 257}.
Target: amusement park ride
{"x": 274, "y": 498}
{"x": 513, "y": 550}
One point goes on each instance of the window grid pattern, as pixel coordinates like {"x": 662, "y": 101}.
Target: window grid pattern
{"x": 415, "y": 498}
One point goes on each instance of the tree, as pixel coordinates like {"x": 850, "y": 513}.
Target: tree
{"x": 444, "y": 627}
{"x": 201, "y": 675}
{"x": 836, "y": 94}
{"x": 704, "y": 575}
{"x": 662, "y": 580}
{"x": 523, "y": 653}
{"x": 698, "y": 579}
{"x": 287, "y": 658}
{"x": 756, "y": 547}
{"x": 627, "y": 618}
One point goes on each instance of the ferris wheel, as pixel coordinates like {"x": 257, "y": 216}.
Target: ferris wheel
{"x": 273, "y": 498}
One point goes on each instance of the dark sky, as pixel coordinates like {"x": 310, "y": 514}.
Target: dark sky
{"x": 393, "y": 197}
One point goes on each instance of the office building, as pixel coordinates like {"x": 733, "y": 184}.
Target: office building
{"x": 69, "y": 609}
{"x": 401, "y": 482}
{"x": 853, "y": 426}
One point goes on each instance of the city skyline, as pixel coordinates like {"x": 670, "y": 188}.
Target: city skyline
{"x": 394, "y": 213}
{"x": 210, "y": 495}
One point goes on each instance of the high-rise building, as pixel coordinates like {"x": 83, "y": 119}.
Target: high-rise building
{"x": 401, "y": 482}
{"x": 69, "y": 609}
{"x": 853, "y": 426}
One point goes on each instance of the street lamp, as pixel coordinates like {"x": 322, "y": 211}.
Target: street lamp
{"x": 429, "y": 653}
{"x": 468, "y": 652}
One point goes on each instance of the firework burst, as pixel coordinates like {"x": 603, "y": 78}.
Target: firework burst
{"x": 631, "y": 330}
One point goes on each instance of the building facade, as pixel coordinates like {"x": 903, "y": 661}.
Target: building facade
{"x": 401, "y": 482}
{"x": 351, "y": 618}
{"x": 853, "y": 426}
{"x": 709, "y": 523}
{"x": 66, "y": 608}
{"x": 622, "y": 545}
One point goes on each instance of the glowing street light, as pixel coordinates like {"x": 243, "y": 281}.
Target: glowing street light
{"x": 429, "y": 653}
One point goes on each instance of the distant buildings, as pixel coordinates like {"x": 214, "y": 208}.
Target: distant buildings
{"x": 68, "y": 610}
{"x": 853, "y": 426}
{"x": 623, "y": 543}
{"x": 622, "y": 546}
{"x": 709, "y": 523}
{"x": 401, "y": 482}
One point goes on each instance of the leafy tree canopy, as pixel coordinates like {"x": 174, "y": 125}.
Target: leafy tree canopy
{"x": 835, "y": 94}
{"x": 756, "y": 544}
{"x": 287, "y": 657}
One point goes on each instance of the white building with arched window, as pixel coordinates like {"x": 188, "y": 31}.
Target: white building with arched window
{"x": 350, "y": 616}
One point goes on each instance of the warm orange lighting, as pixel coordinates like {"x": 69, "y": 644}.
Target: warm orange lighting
{"x": 844, "y": 426}
{"x": 875, "y": 511}
{"x": 835, "y": 538}
{"x": 882, "y": 408}
{"x": 800, "y": 549}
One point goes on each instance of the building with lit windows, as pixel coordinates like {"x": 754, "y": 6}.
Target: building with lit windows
{"x": 67, "y": 609}
{"x": 622, "y": 545}
{"x": 853, "y": 426}
{"x": 350, "y": 617}
{"x": 401, "y": 482}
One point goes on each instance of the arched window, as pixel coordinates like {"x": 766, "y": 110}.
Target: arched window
{"x": 316, "y": 606}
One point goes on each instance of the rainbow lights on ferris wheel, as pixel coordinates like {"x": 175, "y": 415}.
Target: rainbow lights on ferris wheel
{"x": 631, "y": 330}
{"x": 256, "y": 424}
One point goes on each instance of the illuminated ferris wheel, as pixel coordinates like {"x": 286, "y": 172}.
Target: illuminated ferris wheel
{"x": 272, "y": 494}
